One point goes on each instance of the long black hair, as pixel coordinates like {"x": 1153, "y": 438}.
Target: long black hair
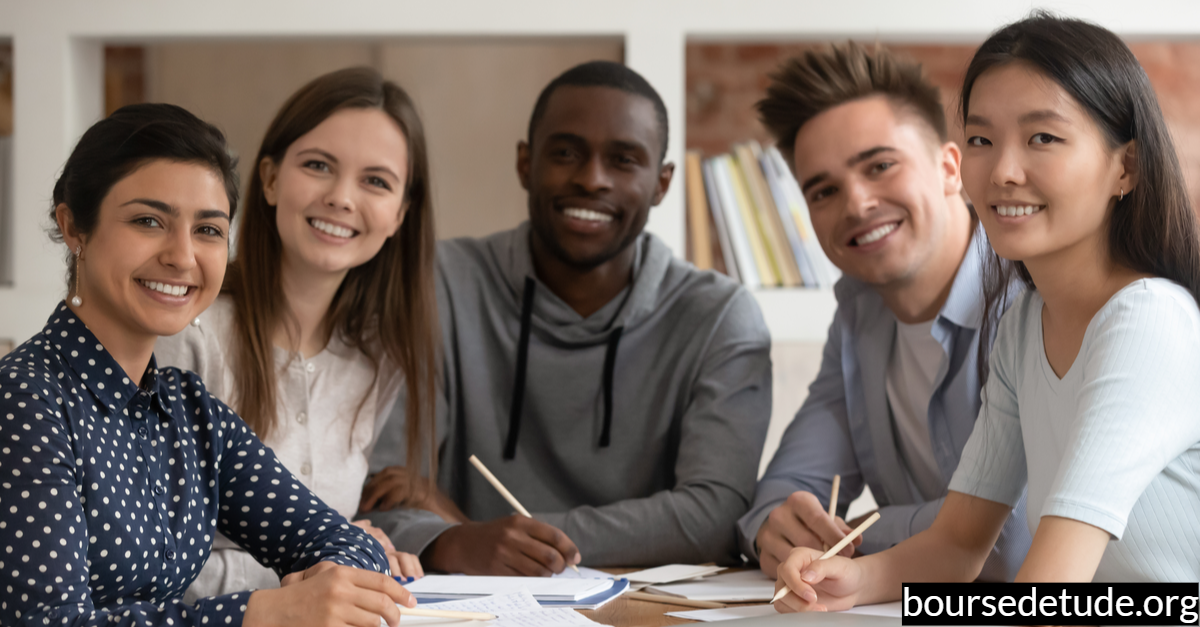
{"x": 1152, "y": 229}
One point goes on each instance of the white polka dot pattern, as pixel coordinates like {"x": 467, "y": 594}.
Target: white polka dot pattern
{"x": 111, "y": 493}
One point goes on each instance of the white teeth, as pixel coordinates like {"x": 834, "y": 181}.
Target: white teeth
{"x": 331, "y": 229}
{"x": 876, "y": 234}
{"x": 169, "y": 290}
{"x": 1013, "y": 211}
{"x": 588, "y": 214}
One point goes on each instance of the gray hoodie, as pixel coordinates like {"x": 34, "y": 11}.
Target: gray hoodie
{"x": 637, "y": 430}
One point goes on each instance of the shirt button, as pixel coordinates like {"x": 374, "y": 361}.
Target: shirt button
{"x": 159, "y": 489}
{"x": 301, "y": 418}
{"x": 306, "y": 469}
{"x": 142, "y": 431}
{"x": 170, "y": 555}
{"x": 310, "y": 367}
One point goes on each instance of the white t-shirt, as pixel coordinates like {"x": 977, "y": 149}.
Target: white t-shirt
{"x": 913, "y": 370}
{"x": 1115, "y": 443}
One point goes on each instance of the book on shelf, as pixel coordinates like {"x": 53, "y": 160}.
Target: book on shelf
{"x": 768, "y": 218}
{"x": 700, "y": 251}
{"x": 758, "y": 230}
{"x": 768, "y": 274}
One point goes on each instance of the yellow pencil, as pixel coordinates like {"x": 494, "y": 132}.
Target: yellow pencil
{"x": 837, "y": 547}
{"x": 512, "y": 500}
{"x": 670, "y": 600}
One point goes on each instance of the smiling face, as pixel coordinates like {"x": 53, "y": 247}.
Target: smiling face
{"x": 1041, "y": 173}
{"x": 877, "y": 185}
{"x": 338, "y": 192}
{"x": 592, "y": 173}
{"x": 157, "y": 255}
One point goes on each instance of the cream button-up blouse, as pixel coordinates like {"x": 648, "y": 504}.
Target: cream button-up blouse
{"x": 323, "y": 434}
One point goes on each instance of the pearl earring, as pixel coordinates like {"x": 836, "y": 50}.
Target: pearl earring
{"x": 196, "y": 322}
{"x": 1122, "y": 196}
{"x": 76, "y": 301}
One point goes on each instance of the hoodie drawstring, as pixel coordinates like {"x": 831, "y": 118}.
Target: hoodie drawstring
{"x": 518, "y": 397}
{"x": 610, "y": 360}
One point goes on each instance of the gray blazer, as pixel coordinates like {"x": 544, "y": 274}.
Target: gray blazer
{"x": 845, "y": 426}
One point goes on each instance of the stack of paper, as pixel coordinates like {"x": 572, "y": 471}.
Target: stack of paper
{"x": 450, "y": 587}
{"x": 518, "y": 609}
{"x": 669, "y": 573}
{"x": 743, "y": 587}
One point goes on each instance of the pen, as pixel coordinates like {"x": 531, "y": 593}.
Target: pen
{"x": 512, "y": 500}
{"x": 404, "y": 580}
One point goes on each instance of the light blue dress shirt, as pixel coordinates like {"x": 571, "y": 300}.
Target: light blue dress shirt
{"x": 845, "y": 426}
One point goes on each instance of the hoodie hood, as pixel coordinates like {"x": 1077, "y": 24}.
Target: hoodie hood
{"x": 553, "y": 320}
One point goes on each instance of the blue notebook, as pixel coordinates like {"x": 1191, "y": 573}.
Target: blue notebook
{"x": 593, "y": 602}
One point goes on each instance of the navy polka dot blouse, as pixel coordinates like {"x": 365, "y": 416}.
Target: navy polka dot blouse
{"x": 111, "y": 493}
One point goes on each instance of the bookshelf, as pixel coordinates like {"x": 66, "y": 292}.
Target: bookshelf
{"x": 58, "y": 71}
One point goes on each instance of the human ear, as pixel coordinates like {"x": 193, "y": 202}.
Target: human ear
{"x": 66, "y": 225}
{"x": 951, "y": 166}
{"x": 523, "y": 163}
{"x": 268, "y": 171}
{"x": 1129, "y": 170}
{"x": 400, "y": 218}
{"x": 665, "y": 174}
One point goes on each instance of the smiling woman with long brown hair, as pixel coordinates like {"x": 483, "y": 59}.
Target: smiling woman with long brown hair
{"x": 328, "y": 308}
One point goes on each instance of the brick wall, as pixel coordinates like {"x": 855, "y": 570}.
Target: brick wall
{"x": 724, "y": 80}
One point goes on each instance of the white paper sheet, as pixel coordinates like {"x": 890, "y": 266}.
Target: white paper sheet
{"x": 584, "y": 573}
{"x": 450, "y": 587}
{"x": 891, "y": 610}
{"x": 519, "y": 609}
{"x": 744, "y": 587}
{"x": 671, "y": 573}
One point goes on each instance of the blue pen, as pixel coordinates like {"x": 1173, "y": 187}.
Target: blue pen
{"x": 404, "y": 579}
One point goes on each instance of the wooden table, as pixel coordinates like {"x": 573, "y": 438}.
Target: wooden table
{"x": 626, "y": 612}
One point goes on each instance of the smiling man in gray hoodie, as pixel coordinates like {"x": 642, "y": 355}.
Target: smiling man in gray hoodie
{"x": 619, "y": 393}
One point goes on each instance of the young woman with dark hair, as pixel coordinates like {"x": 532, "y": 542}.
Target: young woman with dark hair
{"x": 116, "y": 473}
{"x": 328, "y": 308}
{"x": 1091, "y": 398}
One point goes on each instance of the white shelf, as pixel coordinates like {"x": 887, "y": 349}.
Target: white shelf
{"x": 797, "y": 314}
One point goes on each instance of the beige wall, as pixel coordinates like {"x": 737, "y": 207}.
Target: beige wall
{"x": 475, "y": 97}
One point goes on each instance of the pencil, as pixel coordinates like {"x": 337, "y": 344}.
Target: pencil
{"x": 834, "y": 550}
{"x": 417, "y": 611}
{"x": 670, "y": 600}
{"x": 512, "y": 500}
{"x": 837, "y": 483}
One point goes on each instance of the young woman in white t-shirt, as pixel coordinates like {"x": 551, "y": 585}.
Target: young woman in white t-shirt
{"x": 328, "y": 308}
{"x": 1091, "y": 399}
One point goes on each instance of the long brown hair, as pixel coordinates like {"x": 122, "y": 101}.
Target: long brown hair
{"x": 1152, "y": 229}
{"x": 385, "y": 308}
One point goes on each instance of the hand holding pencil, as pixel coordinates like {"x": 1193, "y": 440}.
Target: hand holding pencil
{"x": 512, "y": 500}
{"x": 803, "y": 520}
{"x": 839, "y": 578}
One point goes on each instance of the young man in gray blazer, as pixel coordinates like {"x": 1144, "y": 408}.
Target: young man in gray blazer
{"x": 898, "y": 390}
